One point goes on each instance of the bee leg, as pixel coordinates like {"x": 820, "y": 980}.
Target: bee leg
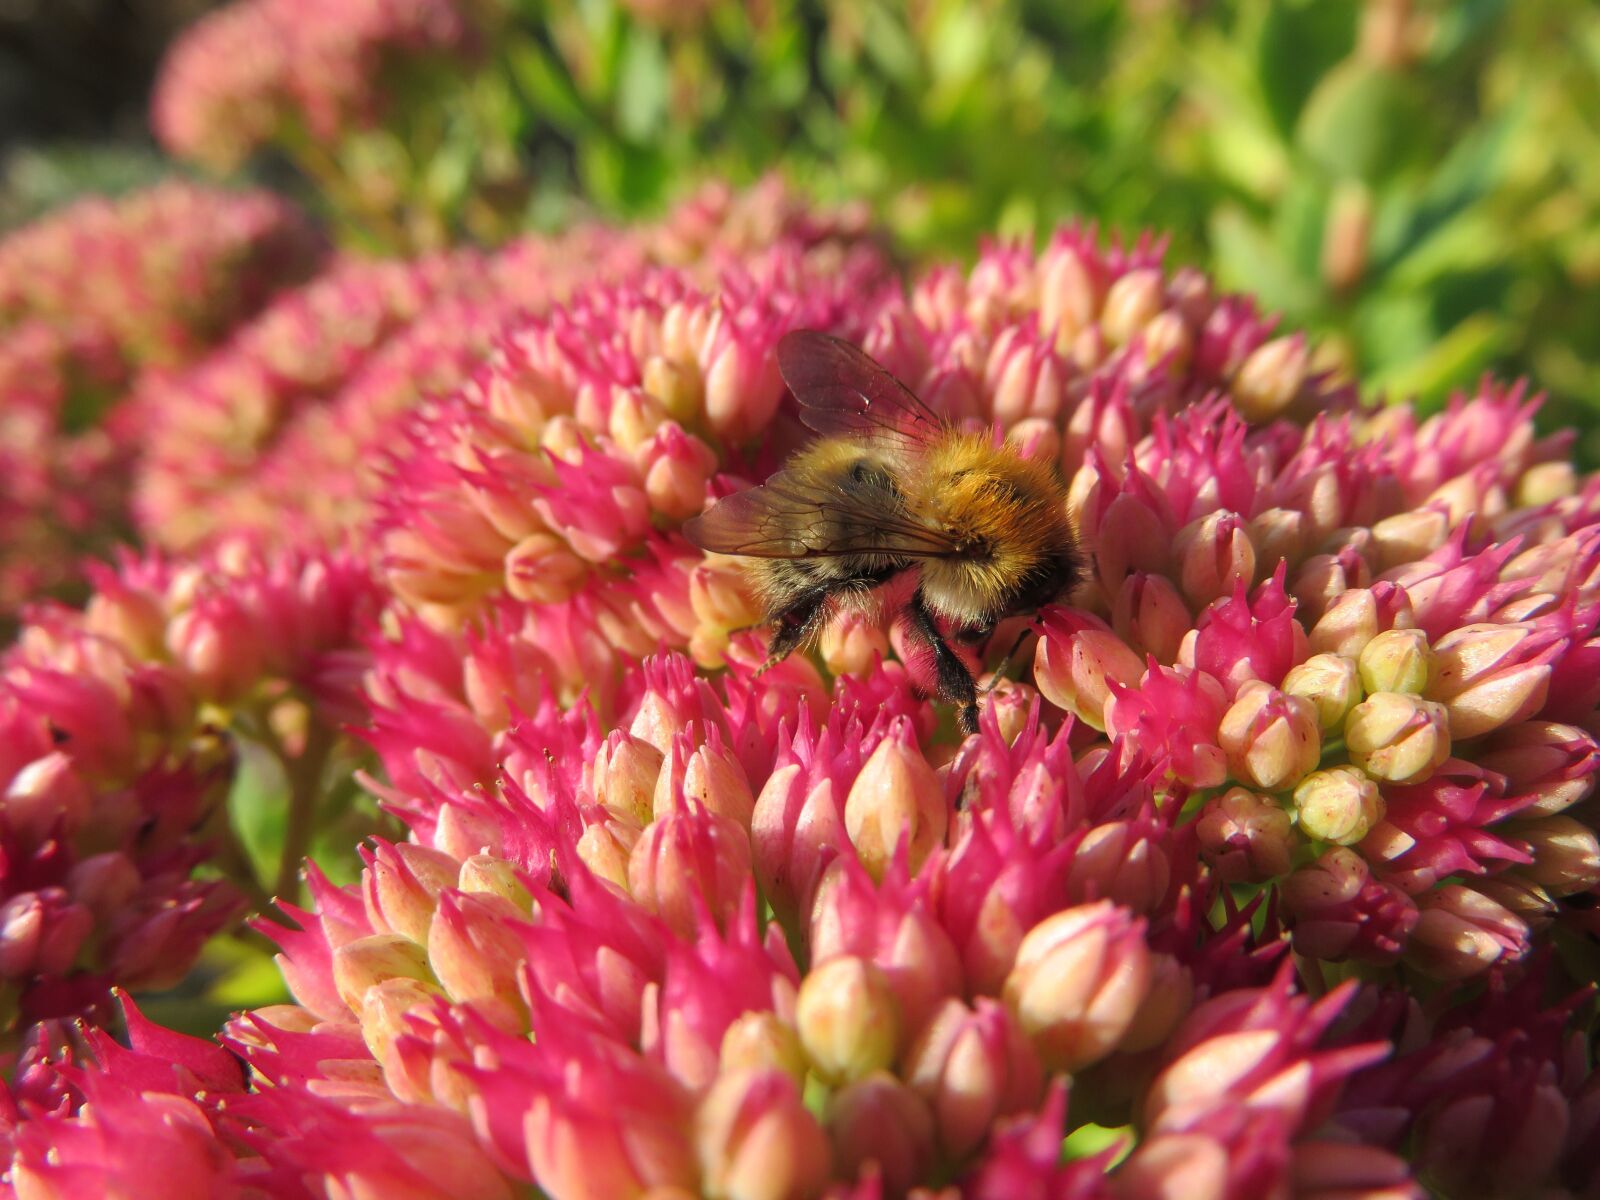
{"x": 795, "y": 626}
{"x": 1005, "y": 663}
{"x": 955, "y": 681}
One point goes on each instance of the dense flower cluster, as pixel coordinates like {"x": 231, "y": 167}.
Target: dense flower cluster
{"x": 64, "y": 486}
{"x": 88, "y": 297}
{"x": 122, "y": 729}
{"x": 260, "y": 69}
{"x": 163, "y": 273}
{"x": 1252, "y": 889}
{"x": 287, "y": 428}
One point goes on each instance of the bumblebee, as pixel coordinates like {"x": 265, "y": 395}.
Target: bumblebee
{"x": 890, "y": 489}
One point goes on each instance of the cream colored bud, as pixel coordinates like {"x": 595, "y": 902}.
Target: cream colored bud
{"x": 1331, "y": 682}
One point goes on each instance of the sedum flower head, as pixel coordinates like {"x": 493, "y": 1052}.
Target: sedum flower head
{"x": 666, "y": 923}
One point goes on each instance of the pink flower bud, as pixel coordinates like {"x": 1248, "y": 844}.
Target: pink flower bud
{"x": 1134, "y": 534}
{"x": 1172, "y": 712}
{"x": 1545, "y": 483}
{"x": 1330, "y": 1170}
{"x": 606, "y": 848}
{"x": 1331, "y": 682}
{"x": 796, "y": 830}
{"x": 104, "y": 883}
{"x": 742, "y": 385}
{"x": 680, "y": 389}
{"x": 1271, "y": 378}
{"x": 880, "y": 1121}
{"x": 1168, "y": 340}
{"x": 1461, "y": 932}
{"x": 1323, "y": 578}
{"x": 1023, "y": 377}
{"x": 689, "y": 855}
{"x": 676, "y": 467}
{"x": 1070, "y": 292}
{"x": 895, "y": 798}
{"x": 1271, "y": 739}
{"x": 1358, "y": 616}
{"x": 1076, "y": 657}
{"x": 973, "y": 1066}
{"x": 1400, "y": 739}
{"x": 1245, "y": 837}
{"x": 635, "y": 415}
{"x": 763, "y": 1041}
{"x": 623, "y": 1133}
{"x": 624, "y": 777}
{"x": 1552, "y": 764}
{"x": 41, "y": 933}
{"x": 853, "y": 644}
{"x": 359, "y": 964}
{"x": 1566, "y": 854}
{"x": 1036, "y": 438}
{"x": 383, "y": 1014}
{"x": 542, "y": 569}
{"x": 1339, "y": 911}
{"x": 1151, "y": 616}
{"x": 1279, "y": 536}
{"x": 1175, "y": 1166}
{"x": 1409, "y": 536}
{"x": 1215, "y": 556}
{"x": 721, "y": 598}
{"x": 848, "y": 1019}
{"x": 756, "y": 1141}
{"x": 711, "y": 777}
{"x": 401, "y": 887}
{"x": 1079, "y": 981}
{"x": 1339, "y": 805}
{"x": 1131, "y": 303}
{"x": 891, "y": 927}
{"x": 121, "y": 1144}
{"x": 1486, "y": 1143}
{"x": 1488, "y": 676}
{"x": 1398, "y": 660}
{"x": 1523, "y": 898}
{"x": 44, "y": 798}
{"x": 218, "y": 646}
{"x": 474, "y": 950}
{"x": 1119, "y": 861}
{"x": 1168, "y": 1002}
{"x": 1257, "y": 1048}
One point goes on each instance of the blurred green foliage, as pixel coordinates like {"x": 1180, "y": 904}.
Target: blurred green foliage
{"x": 1417, "y": 182}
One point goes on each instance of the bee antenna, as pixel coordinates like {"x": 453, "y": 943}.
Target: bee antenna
{"x": 1005, "y": 663}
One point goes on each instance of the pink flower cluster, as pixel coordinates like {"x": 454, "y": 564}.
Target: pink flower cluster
{"x": 258, "y": 70}
{"x": 1270, "y": 879}
{"x": 163, "y": 273}
{"x": 287, "y": 429}
{"x": 88, "y": 296}
{"x": 118, "y": 751}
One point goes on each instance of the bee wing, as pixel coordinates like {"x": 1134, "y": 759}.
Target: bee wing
{"x": 841, "y": 390}
{"x": 795, "y": 514}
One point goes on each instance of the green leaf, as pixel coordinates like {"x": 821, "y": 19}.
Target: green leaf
{"x": 641, "y": 104}
{"x": 1299, "y": 41}
{"x": 258, "y": 807}
{"x": 1453, "y": 361}
{"x": 251, "y": 983}
{"x": 1249, "y": 260}
{"x": 547, "y": 85}
{"x": 1360, "y": 122}
{"x": 629, "y": 178}
{"x": 1088, "y": 1140}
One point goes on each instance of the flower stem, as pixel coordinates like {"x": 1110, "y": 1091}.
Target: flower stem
{"x": 304, "y": 771}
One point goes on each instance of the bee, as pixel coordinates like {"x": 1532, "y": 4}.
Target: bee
{"x": 891, "y": 489}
